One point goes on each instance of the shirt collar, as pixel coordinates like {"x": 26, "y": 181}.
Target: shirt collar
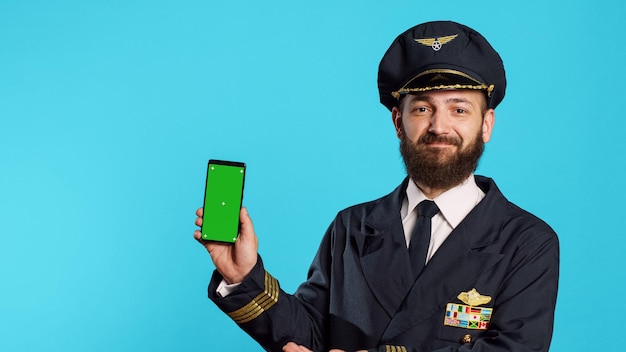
{"x": 454, "y": 204}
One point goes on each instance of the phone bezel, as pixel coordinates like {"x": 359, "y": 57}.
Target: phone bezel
{"x": 206, "y": 187}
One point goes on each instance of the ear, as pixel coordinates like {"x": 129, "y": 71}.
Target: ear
{"x": 396, "y": 118}
{"x": 488, "y": 121}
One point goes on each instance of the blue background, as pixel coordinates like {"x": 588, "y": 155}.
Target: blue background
{"x": 109, "y": 111}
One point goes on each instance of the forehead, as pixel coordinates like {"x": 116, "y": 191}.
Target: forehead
{"x": 469, "y": 96}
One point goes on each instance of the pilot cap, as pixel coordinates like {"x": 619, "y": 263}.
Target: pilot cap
{"x": 440, "y": 55}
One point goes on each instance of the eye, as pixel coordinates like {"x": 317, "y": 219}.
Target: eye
{"x": 420, "y": 109}
{"x": 460, "y": 111}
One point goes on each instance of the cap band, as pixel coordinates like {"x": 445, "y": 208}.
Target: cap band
{"x": 396, "y": 94}
{"x": 479, "y": 86}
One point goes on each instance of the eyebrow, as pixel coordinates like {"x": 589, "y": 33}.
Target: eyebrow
{"x": 426, "y": 98}
{"x": 460, "y": 100}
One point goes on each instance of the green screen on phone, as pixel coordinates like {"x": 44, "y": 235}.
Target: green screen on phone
{"x": 222, "y": 200}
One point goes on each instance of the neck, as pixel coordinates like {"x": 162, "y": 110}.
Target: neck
{"x": 430, "y": 192}
{"x": 434, "y": 192}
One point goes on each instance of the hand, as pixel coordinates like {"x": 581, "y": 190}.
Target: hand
{"x": 233, "y": 261}
{"x": 293, "y": 347}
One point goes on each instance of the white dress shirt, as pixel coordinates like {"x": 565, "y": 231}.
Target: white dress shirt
{"x": 454, "y": 205}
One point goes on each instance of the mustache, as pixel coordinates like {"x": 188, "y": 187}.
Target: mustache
{"x": 432, "y": 138}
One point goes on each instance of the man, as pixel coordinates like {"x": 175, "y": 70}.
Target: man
{"x": 442, "y": 263}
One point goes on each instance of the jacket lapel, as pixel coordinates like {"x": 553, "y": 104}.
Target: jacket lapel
{"x": 457, "y": 263}
{"x": 383, "y": 254}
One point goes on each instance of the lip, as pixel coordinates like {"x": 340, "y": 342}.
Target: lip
{"x": 440, "y": 145}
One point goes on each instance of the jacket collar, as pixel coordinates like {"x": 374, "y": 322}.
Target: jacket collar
{"x": 386, "y": 265}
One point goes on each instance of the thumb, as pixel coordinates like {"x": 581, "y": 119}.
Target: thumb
{"x": 246, "y": 230}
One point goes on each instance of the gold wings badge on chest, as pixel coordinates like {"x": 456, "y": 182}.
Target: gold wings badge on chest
{"x": 473, "y": 298}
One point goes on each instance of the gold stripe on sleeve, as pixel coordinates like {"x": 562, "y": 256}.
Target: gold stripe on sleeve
{"x": 259, "y": 304}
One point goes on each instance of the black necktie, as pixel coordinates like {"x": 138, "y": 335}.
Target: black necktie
{"x": 420, "y": 238}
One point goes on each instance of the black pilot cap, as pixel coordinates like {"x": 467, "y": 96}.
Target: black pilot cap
{"x": 440, "y": 55}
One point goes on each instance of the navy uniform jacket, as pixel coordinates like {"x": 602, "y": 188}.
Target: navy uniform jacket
{"x": 360, "y": 293}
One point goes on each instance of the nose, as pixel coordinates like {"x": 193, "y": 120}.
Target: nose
{"x": 439, "y": 123}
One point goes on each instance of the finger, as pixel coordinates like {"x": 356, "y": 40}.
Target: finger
{"x": 293, "y": 347}
{"x": 209, "y": 245}
{"x": 199, "y": 212}
{"x": 289, "y": 347}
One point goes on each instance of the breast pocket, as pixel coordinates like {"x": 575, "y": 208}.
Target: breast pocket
{"x": 459, "y": 335}
{"x": 463, "y": 323}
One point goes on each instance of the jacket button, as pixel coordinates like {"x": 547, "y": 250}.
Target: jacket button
{"x": 466, "y": 339}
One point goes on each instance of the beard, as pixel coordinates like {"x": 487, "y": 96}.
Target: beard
{"x": 440, "y": 168}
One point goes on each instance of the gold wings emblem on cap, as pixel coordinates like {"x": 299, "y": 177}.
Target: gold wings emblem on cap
{"x": 473, "y": 298}
{"x": 436, "y": 43}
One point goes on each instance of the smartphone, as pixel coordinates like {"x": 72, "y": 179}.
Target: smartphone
{"x": 223, "y": 195}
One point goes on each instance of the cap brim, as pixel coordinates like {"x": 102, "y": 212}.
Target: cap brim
{"x": 441, "y": 79}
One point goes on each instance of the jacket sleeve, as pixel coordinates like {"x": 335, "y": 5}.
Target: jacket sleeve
{"x": 271, "y": 316}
